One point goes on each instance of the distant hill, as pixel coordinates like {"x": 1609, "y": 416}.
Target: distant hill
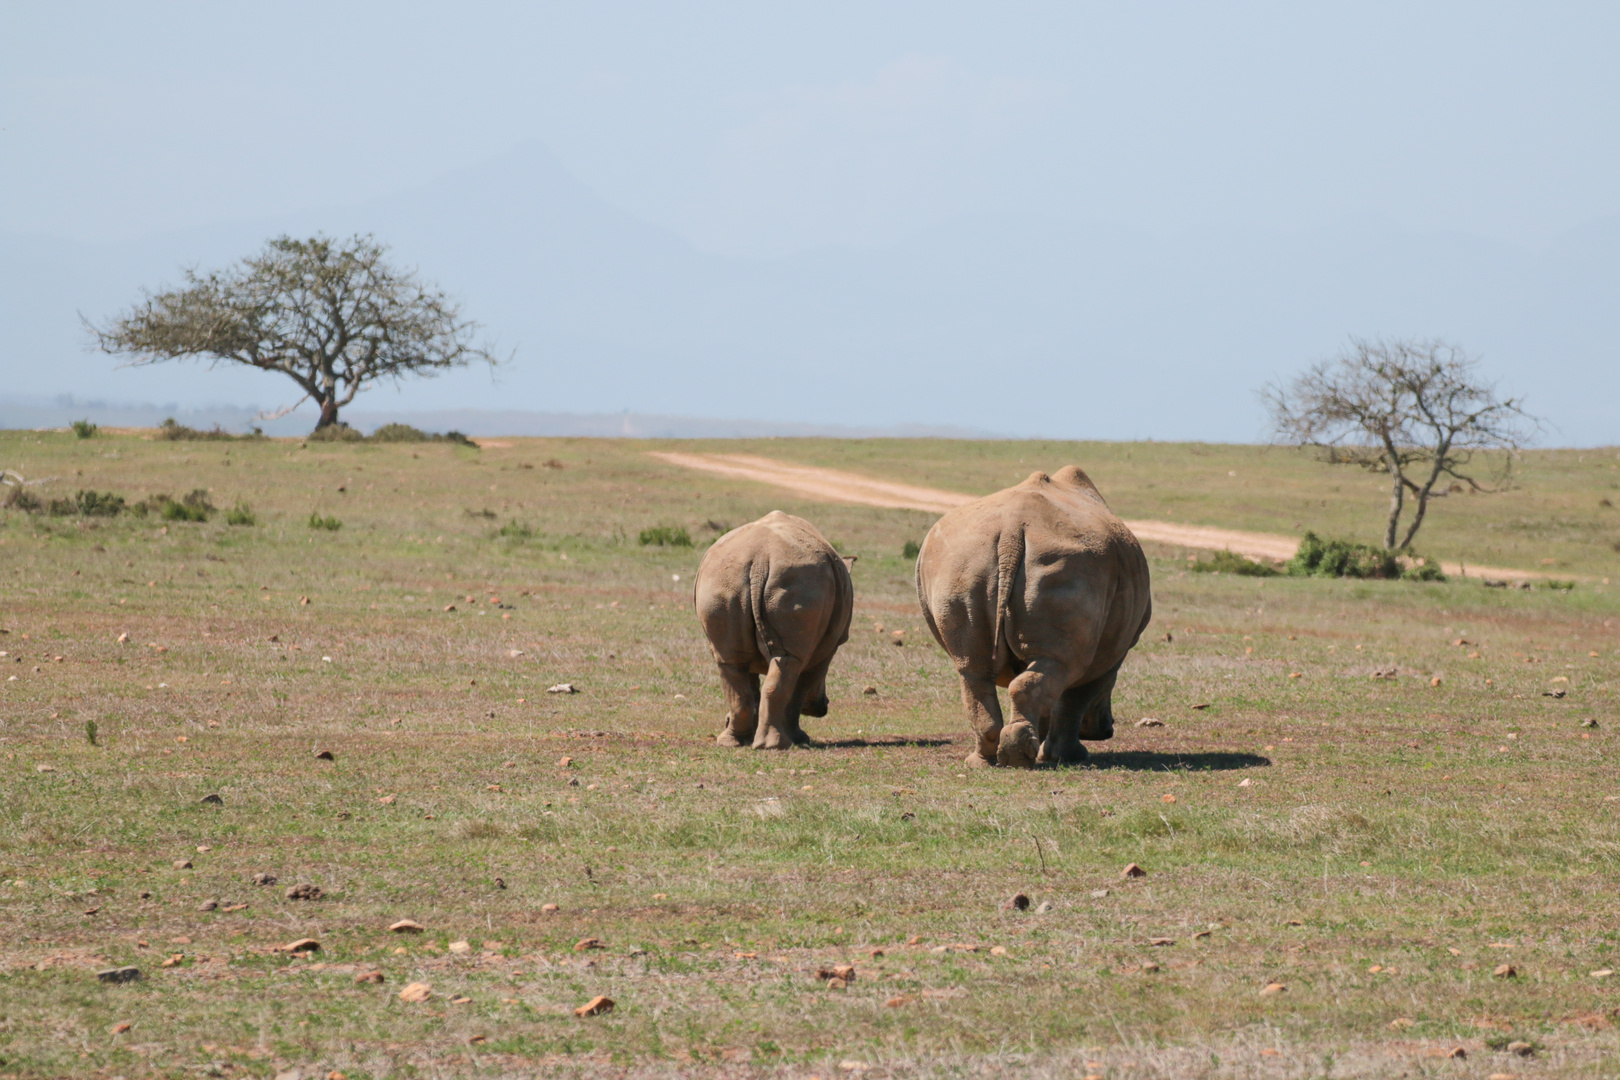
{"x": 1017, "y": 325}
{"x": 65, "y": 408}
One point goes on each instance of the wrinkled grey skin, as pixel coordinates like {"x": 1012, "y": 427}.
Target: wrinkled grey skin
{"x": 1041, "y": 589}
{"x": 775, "y": 600}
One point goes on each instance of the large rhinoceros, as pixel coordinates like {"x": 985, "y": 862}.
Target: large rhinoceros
{"x": 1041, "y": 589}
{"x": 775, "y": 600}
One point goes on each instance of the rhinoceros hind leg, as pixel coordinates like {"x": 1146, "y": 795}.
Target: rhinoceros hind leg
{"x": 984, "y": 713}
{"x": 777, "y": 720}
{"x": 1035, "y": 696}
{"x": 742, "y": 695}
{"x": 813, "y": 690}
{"x": 1064, "y": 752}
{"x": 1018, "y": 748}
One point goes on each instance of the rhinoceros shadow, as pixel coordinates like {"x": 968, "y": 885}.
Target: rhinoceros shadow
{"x": 876, "y": 741}
{"x": 1169, "y": 761}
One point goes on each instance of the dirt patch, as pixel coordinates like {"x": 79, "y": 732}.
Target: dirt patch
{"x": 835, "y": 485}
{"x": 832, "y": 485}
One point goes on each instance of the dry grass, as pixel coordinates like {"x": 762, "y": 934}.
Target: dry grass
{"x": 1385, "y": 821}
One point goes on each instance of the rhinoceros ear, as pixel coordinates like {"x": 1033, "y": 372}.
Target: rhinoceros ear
{"x": 849, "y": 561}
{"x": 1074, "y": 476}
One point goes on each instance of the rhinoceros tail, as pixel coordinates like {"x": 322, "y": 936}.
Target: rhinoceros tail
{"x": 1009, "y": 562}
{"x": 759, "y": 571}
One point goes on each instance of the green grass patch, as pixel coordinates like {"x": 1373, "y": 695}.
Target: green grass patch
{"x": 665, "y": 536}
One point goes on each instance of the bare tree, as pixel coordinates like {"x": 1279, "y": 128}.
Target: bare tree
{"x": 1416, "y": 410}
{"x": 334, "y": 317}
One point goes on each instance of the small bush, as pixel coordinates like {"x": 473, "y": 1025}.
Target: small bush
{"x": 61, "y": 508}
{"x": 399, "y": 433}
{"x": 98, "y": 504}
{"x": 330, "y": 524}
{"x": 486, "y": 513}
{"x": 19, "y": 498}
{"x": 1229, "y": 562}
{"x": 1554, "y": 583}
{"x": 515, "y": 530}
{"x": 179, "y": 511}
{"x": 910, "y": 550}
{"x": 665, "y": 536}
{"x": 84, "y": 429}
{"x": 388, "y": 433}
{"x": 179, "y": 432}
{"x": 339, "y": 432}
{"x": 194, "y": 507}
{"x": 1344, "y": 558}
{"x": 240, "y": 514}
{"x": 1422, "y": 570}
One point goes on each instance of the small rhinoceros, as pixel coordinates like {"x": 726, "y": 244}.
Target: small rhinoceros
{"x": 1041, "y": 589}
{"x": 775, "y": 600}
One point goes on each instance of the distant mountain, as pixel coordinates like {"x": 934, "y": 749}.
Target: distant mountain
{"x": 37, "y": 414}
{"x": 1018, "y": 325}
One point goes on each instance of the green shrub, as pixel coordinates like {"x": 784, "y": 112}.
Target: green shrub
{"x": 17, "y": 497}
{"x": 665, "y": 536}
{"x": 330, "y": 524}
{"x": 1227, "y": 562}
{"x": 399, "y": 433}
{"x": 1344, "y": 558}
{"x": 179, "y": 432}
{"x": 99, "y": 503}
{"x": 388, "y": 433}
{"x": 1422, "y": 570}
{"x": 194, "y": 507}
{"x": 1554, "y": 583}
{"x": 179, "y": 511}
{"x": 910, "y": 550}
{"x": 515, "y": 530}
{"x": 240, "y": 514}
{"x": 338, "y": 432}
{"x": 84, "y": 429}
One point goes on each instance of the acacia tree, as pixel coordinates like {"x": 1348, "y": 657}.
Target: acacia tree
{"x": 1416, "y": 410}
{"x": 332, "y": 316}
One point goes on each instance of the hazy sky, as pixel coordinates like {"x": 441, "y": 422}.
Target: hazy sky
{"x": 1434, "y": 168}
{"x": 761, "y": 128}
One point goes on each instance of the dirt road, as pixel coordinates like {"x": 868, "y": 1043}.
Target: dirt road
{"x": 835, "y": 485}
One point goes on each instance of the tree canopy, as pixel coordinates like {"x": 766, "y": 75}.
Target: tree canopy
{"x": 1415, "y": 409}
{"x": 335, "y": 317}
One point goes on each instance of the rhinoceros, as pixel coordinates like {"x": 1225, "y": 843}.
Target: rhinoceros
{"x": 775, "y": 600}
{"x": 1041, "y": 589}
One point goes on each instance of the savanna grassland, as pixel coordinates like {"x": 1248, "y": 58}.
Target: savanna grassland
{"x": 1364, "y": 795}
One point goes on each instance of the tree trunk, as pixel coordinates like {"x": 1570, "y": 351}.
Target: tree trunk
{"x": 1397, "y": 499}
{"x": 329, "y": 416}
{"x": 1417, "y": 519}
{"x": 1441, "y": 454}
